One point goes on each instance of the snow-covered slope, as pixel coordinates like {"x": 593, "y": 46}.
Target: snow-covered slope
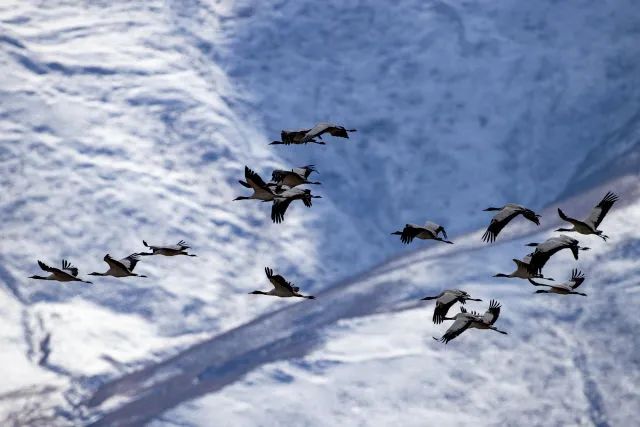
{"x": 115, "y": 127}
{"x": 123, "y": 121}
{"x": 459, "y": 104}
{"x": 362, "y": 352}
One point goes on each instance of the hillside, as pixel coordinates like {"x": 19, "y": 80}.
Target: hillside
{"x": 124, "y": 121}
{"x": 364, "y": 347}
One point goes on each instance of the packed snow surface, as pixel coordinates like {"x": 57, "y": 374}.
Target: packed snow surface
{"x": 122, "y": 121}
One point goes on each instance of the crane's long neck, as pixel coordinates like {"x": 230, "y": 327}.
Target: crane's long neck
{"x": 501, "y": 275}
{"x": 492, "y": 209}
{"x": 443, "y": 240}
{"x": 39, "y": 277}
{"x": 95, "y": 273}
{"x": 428, "y": 298}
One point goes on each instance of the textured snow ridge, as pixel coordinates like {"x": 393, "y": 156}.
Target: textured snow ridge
{"x": 117, "y": 126}
{"x": 567, "y": 361}
{"x": 365, "y": 346}
{"x": 458, "y": 104}
{"x": 123, "y": 121}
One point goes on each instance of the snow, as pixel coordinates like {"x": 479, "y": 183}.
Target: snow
{"x": 26, "y": 384}
{"x": 128, "y": 338}
{"x": 561, "y": 364}
{"x": 21, "y": 370}
{"x": 124, "y": 121}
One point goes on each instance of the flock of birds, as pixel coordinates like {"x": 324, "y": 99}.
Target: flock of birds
{"x": 530, "y": 267}
{"x": 283, "y": 189}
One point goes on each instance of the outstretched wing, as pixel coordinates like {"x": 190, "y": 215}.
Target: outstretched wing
{"x": 524, "y": 263}
{"x": 70, "y": 268}
{"x": 183, "y": 244}
{"x": 548, "y": 248}
{"x": 598, "y": 213}
{"x": 317, "y": 130}
{"x": 279, "y": 175}
{"x": 409, "y": 233}
{"x": 459, "y": 326}
{"x": 441, "y": 230}
{"x": 531, "y": 216}
{"x": 575, "y": 251}
{"x": 564, "y": 217}
{"x": 577, "y": 277}
{"x": 254, "y": 180}
{"x": 538, "y": 261}
{"x": 45, "y": 267}
{"x": 114, "y": 263}
{"x": 279, "y": 208}
{"x": 130, "y": 262}
{"x": 306, "y": 199}
{"x": 498, "y": 222}
{"x": 278, "y": 281}
{"x": 156, "y": 247}
{"x": 443, "y": 304}
{"x": 293, "y": 136}
{"x": 304, "y": 171}
{"x": 492, "y": 314}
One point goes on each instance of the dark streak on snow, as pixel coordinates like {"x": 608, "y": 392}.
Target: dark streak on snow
{"x": 592, "y": 392}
